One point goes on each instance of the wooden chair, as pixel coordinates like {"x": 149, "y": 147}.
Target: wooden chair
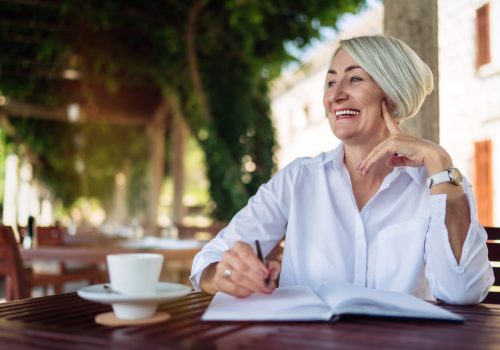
{"x": 494, "y": 255}
{"x": 16, "y": 283}
{"x": 55, "y": 236}
{"x": 19, "y": 280}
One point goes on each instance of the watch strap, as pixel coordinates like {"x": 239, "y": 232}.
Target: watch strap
{"x": 438, "y": 178}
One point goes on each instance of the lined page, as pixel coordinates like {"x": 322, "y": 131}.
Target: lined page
{"x": 293, "y": 303}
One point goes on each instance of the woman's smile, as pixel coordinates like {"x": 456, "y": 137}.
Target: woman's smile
{"x": 346, "y": 113}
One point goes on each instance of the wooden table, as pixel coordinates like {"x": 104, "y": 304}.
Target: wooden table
{"x": 67, "y": 322}
{"x": 94, "y": 254}
{"x": 176, "y": 266}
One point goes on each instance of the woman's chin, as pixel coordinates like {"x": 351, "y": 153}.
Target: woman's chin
{"x": 345, "y": 135}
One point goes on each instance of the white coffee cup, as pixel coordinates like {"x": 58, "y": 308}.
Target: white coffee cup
{"x": 134, "y": 275}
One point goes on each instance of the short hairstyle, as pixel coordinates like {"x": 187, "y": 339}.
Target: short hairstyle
{"x": 395, "y": 67}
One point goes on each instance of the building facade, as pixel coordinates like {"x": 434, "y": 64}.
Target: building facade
{"x": 469, "y": 85}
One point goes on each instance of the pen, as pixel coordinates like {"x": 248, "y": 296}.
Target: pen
{"x": 261, "y": 258}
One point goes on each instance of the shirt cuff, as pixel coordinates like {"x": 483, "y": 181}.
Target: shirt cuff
{"x": 200, "y": 263}
{"x": 438, "y": 209}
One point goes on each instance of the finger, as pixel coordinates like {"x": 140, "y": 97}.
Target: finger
{"x": 247, "y": 254}
{"x": 274, "y": 269}
{"x": 380, "y": 151}
{"x": 237, "y": 282}
{"x": 389, "y": 119}
{"x": 227, "y": 286}
{"x": 243, "y": 274}
{"x": 397, "y": 161}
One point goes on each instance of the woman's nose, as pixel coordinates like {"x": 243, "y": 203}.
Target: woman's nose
{"x": 338, "y": 93}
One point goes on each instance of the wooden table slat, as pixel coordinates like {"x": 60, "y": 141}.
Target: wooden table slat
{"x": 67, "y": 322}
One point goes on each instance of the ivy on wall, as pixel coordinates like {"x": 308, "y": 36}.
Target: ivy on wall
{"x": 215, "y": 58}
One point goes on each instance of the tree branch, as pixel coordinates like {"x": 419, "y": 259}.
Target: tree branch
{"x": 194, "y": 70}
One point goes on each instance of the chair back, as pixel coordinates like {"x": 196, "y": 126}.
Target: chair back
{"x": 49, "y": 236}
{"x": 11, "y": 266}
{"x": 45, "y": 235}
{"x": 493, "y": 244}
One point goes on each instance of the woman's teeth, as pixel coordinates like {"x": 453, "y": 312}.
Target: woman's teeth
{"x": 346, "y": 113}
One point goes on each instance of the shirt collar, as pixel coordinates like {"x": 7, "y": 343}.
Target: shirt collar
{"x": 336, "y": 157}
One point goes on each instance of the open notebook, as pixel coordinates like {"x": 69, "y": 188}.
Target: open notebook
{"x": 300, "y": 303}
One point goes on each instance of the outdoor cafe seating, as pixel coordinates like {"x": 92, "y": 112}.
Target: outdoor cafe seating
{"x": 67, "y": 321}
{"x": 57, "y": 258}
{"x": 19, "y": 280}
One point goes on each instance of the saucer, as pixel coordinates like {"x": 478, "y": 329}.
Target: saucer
{"x": 164, "y": 291}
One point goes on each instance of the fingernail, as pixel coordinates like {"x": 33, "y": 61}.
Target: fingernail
{"x": 267, "y": 291}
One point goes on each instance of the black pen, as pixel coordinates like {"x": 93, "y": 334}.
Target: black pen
{"x": 261, "y": 258}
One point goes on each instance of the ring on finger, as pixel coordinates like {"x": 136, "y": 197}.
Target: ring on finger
{"x": 227, "y": 273}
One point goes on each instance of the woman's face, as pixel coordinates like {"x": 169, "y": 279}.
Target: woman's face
{"x": 352, "y": 102}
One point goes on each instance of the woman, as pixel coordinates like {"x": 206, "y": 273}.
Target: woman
{"x": 383, "y": 210}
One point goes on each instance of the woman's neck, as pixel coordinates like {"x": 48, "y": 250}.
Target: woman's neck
{"x": 354, "y": 154}
{"x": 366, "y": 186}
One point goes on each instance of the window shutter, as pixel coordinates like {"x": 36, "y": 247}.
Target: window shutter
{"x": 483, "y": 35}
{"x": 483, "y": 181}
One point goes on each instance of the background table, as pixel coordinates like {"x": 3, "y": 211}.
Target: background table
{"x": 67, "y": 322}
{"x": 98, "y": 254}
{"x": 176, "y": 266}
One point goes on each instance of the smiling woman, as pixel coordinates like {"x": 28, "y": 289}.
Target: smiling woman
{"x": 399, "y": 71}
{"x": 384, "y": 210}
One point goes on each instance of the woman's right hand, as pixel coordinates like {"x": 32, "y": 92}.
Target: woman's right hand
{"x": 241, "y": 273}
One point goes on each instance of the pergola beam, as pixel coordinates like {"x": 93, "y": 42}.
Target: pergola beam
{"x": 99, "y": 115}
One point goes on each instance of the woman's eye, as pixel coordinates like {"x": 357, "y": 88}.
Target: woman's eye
{"x": 356, "y": 79}
{"x": 330, "y": 83}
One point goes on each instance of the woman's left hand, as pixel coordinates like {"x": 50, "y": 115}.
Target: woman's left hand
{"x": 405, "y": 150}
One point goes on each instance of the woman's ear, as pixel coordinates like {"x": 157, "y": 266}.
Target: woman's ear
{"x": 391, "y": 106}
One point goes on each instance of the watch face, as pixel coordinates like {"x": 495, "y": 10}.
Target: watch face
{"x": 455, "y": 176}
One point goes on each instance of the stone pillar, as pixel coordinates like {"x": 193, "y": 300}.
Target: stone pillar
{"x": 179, "y": 139}
{"x": 416, "y": 23}
{"x": 119, "y": 211}
{"x": 156, "y": 131}
{"x": 11, "y": 190}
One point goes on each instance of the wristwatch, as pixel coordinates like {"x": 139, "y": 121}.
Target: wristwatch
{"x": 451, "y": 175}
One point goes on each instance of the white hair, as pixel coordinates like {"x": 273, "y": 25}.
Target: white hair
{"x": 395, "y": 67}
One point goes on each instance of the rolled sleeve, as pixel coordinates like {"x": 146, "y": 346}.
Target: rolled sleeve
{"x": 263, "y": 218}
{"x": 211, "y": 253}
{"x": 466, "y": 282}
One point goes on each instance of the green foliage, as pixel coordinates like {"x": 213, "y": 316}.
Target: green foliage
{"x": 101, "y": 149}
{"x": 240, "y": 47}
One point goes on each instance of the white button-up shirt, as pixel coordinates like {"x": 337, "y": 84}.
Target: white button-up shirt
{"x": 397, "y": 242}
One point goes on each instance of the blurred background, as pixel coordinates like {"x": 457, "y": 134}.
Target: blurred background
{"x": 136, "y": 118}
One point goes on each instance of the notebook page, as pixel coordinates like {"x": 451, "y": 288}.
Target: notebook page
{"x": 348, "y": 298}
{"x": 293, "y": 303}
